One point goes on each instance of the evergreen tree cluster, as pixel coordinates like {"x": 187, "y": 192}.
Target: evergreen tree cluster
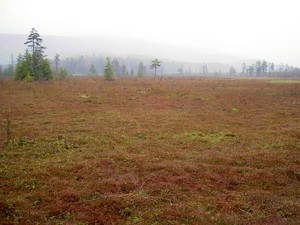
{"x": 259, "y": 68}
{"x": 262, "y": 68}
{"x": 33, "y": 65}
{"x": 95, "y": 65}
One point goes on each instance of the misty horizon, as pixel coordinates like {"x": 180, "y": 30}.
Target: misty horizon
{"x": 68, "y": 46}
{"x": 248, "y": 29}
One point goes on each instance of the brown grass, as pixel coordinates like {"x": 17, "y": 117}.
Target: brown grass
{"x": 150, "y": 151}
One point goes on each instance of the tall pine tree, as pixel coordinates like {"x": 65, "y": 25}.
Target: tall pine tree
{"x": 155, "y": 63}
{"x": 34, "y": 62}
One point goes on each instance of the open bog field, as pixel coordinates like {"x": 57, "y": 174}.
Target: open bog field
{"x": 150, "y": 151}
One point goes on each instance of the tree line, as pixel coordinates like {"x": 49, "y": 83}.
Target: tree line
{"x": 262, "y": 68}
{"x": 95, "y": 65}
{"x": 34, "y": 65}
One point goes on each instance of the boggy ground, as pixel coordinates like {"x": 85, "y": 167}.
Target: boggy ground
{"x": 150, "y": 151}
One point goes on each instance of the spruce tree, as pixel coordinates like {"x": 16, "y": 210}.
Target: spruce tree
{"x": 108, "y": 70}
{"x": 24, "y": 66}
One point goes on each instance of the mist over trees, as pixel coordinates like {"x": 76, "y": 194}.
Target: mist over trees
{"x": 141, "y": 66}
{"x": 34, "y": 63}
{"x": 262, "y": 68}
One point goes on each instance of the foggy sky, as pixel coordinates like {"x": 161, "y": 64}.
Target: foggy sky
{"x": 262, "y": 29}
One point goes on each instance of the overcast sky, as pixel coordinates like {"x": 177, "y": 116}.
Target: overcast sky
{"x": 265, "y": 29}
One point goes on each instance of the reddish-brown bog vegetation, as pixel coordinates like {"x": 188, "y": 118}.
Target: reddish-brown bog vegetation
{"x": 150, "y": 151}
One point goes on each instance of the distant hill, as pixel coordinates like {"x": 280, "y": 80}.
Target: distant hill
{"x": 74, "y": 46}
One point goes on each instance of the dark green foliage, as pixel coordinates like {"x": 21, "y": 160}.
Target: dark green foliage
{"x": 34, "y": 42}
{"x": 108, "y": 70}
{"x": 45, "y": 72}
{"x": 24, "y": 66}
{"x": 155, "y": 63}
{"x": 33, "y": 63}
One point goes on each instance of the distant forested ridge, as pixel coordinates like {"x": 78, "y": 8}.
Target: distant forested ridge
{"x": 87, "y": 56}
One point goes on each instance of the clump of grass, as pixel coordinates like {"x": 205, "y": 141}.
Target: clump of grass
{"x": 19, "y": 142}
{"x": 234, "y": 109}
